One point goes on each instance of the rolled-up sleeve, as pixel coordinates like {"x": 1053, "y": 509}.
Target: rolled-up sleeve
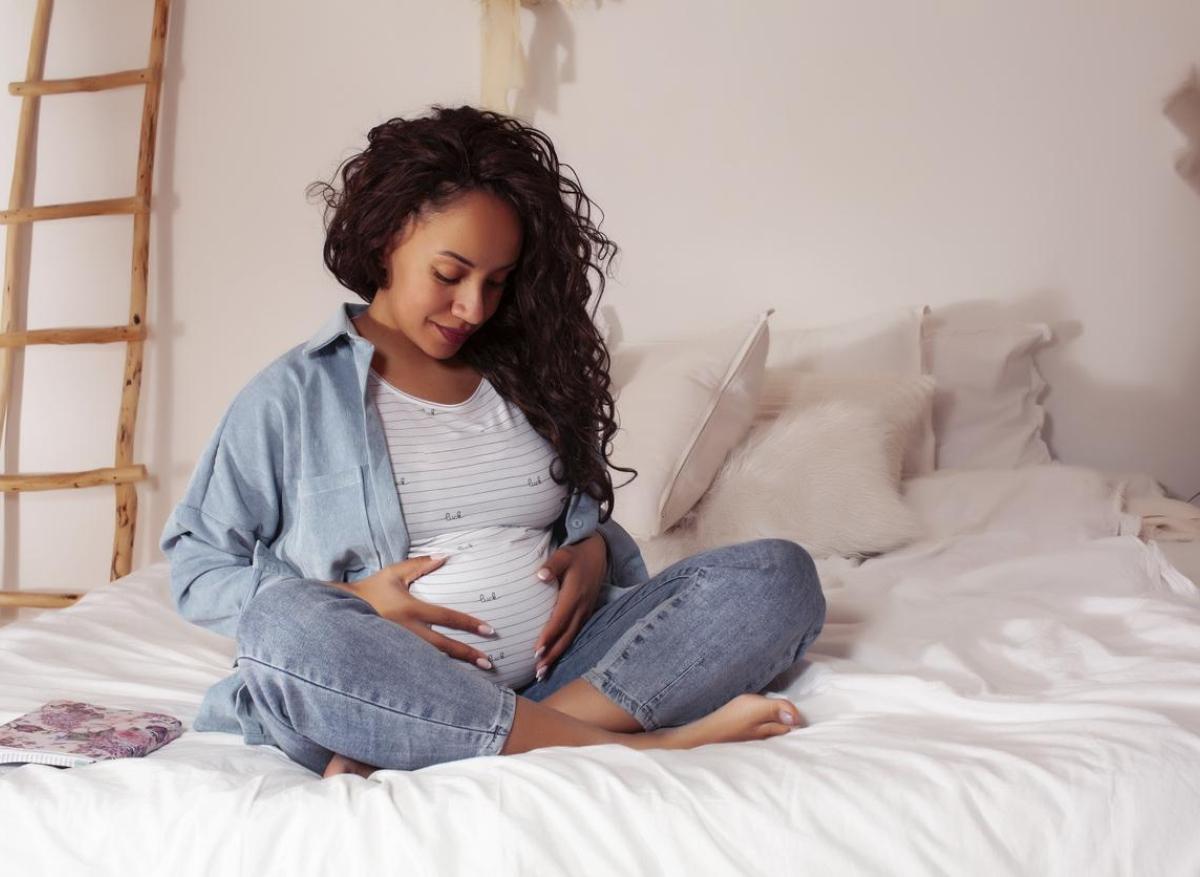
{"x": 626, "y": 566}
{"x": 218, "y": 537}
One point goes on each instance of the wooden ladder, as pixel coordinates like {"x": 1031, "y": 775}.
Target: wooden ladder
{"x": 124, "y": 474}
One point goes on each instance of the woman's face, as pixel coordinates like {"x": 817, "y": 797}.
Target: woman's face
{"x": 449, "y": 270}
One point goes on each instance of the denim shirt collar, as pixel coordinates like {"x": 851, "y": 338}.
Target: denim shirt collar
{"x": 336, "y": 326}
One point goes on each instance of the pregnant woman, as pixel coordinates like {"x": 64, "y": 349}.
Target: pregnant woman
{"x": 400, "y": 521}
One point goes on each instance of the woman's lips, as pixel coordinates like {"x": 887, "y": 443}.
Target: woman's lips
{"x": 452, "y": 337}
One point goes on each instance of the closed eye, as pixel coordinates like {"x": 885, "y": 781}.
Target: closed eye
{"x": 451, "y": 281}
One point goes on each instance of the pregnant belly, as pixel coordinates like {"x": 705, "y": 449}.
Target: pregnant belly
{"x": 491, "y": 574}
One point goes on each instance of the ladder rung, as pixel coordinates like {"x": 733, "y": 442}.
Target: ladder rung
{"x": 108, "y": 207}
{"x": 99, "y": 335}
{"x": 29, "y": 598}
{"x": 67, "y": 480}
{"x": 102, "y": 82}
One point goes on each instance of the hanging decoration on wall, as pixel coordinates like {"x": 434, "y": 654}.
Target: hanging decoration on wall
{"x": 503, "y": 62}
{"x": 1183, "y": 109}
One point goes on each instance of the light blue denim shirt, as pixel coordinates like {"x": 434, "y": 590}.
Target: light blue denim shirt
{"x": 296, "y": 482}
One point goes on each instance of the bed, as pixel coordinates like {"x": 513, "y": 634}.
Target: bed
{"x": 1015, "y": 691}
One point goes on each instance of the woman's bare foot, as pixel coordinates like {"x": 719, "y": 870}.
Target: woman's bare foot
{"x": 341, "y": 764}
{"x": 746, "y": 717}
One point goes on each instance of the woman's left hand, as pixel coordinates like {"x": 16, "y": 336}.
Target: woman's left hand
{"x": 580, "y": 570}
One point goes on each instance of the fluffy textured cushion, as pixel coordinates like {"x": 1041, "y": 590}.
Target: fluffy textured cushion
{"x": 904, "y": 403}
{"x": 821, "y": 475}
{"x": 986, "y": 410}
{"x": 887, "y": 344}
{"x": 681, "y": 407}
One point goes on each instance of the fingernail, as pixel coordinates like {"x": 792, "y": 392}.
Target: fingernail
{"x": 786, "y": 717}
{"x": 438, "y": 556}
{"x": 544, "y": 574}
{"x": 538, "y": 653}
{"x": 540, "y": 673}
{"x": 486, "y": 629}
{"x": 484, "y": 663}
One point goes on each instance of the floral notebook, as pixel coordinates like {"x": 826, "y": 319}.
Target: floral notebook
{"x": 67, "y": 733}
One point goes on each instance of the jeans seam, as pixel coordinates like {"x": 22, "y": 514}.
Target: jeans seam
{"x": 595, "y": 632}
{"x": 508, "y": 710}
{"x": 493, "y": 730}
{"x": 662, "y": 691}
{"x": 603, "y": 678}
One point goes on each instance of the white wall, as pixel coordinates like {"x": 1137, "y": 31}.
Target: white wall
{"x": 824, "y": 159}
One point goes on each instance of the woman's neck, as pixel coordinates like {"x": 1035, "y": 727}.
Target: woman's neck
{"x": 406, "y": 367}
{"x": 395, "y": 352}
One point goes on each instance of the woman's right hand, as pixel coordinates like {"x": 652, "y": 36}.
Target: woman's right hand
{"x": 387, "y": 592}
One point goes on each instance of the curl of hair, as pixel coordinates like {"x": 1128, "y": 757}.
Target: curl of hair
{"x": 541, "y": 348}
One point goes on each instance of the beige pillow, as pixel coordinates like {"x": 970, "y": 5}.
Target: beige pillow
{"x": 681, "y": 407}
{"x": 887, "y": 344}
{"x": 987, "y": 411}
{"x": 821, "y": 476}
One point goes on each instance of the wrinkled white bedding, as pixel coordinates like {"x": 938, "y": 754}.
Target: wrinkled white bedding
{"x": 1019, "y": 693}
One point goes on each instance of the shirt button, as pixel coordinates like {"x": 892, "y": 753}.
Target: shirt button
{"x": 575, "y": 522}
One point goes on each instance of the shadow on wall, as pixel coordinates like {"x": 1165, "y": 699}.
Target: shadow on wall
{"x": 550, "y": 58}
{"x": 1121, "y": 416}
{"x": 1183, "y": 109}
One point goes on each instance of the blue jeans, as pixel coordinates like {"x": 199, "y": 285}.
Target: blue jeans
{"x": 327, "y": 674}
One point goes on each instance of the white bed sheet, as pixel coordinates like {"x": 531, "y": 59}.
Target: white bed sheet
{"x": 1017, "y": 694}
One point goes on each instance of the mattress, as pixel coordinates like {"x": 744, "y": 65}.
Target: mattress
{"x": 1016, "y": 693}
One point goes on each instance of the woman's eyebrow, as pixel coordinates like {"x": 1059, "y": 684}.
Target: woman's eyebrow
{"x": 467, "y": 261}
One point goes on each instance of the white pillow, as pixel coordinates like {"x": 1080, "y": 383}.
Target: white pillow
{"x": 986, "y": 410}
{"x": 884, "y": 344}
{"x": 821, "y": 476}
{"x": 1049, "y": 505}
{"x": 888, "y": 342}
{"x": 681, "y": 406}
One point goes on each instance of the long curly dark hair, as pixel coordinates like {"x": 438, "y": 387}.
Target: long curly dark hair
{"x": 540, "y": 349}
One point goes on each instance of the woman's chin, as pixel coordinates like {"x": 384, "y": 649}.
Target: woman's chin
{"x": 440, "y": 352}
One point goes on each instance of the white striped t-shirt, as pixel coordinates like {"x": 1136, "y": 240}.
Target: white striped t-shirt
{"x": 474, "y": 483}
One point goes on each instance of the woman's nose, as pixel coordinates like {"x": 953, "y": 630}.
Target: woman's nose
{"x": 468, "y": 306}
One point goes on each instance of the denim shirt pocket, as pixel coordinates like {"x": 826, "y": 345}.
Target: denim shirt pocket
{"x": 332, "y": 538}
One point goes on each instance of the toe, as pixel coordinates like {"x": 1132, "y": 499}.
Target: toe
{"x": 787, "y": 715}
